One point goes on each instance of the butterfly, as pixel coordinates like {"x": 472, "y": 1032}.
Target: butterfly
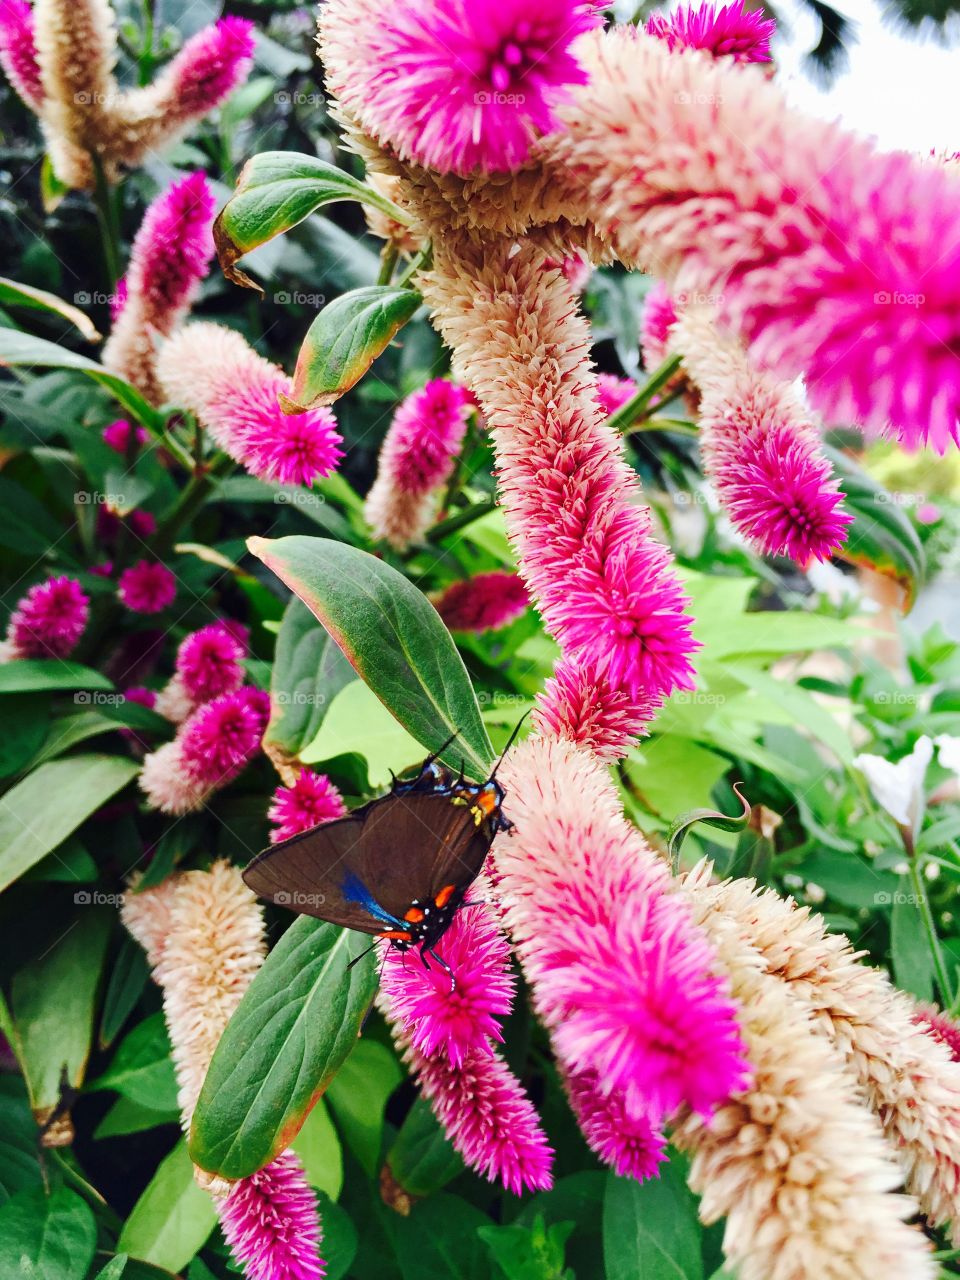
{"x": 398, "y": 867}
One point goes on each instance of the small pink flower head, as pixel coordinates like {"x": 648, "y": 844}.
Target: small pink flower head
{"x": 172, "y": 251}
{"x": 211, "y": 65}
{"x": 311, "y": 800}
{"x": 488, "y": 1118}
{"x": 460, "y": 1022}
{"x": 462, "y": 85}
{"x": 633, "y": 1146}
{"x": 289, "y": 448}
{"x": 728, "y": 31}
{"x": 659, "y": 314}
{"x": 102, "y": 570}
{"x": 589, "y": 711}
{"x": 147, "y": 587}
{"x": 18, "y": 51}
{"x": 426, "y": 433}
{"x": 485, "y": 602}
{"x": 210, "y": 663}
{"x": 220, "y": 738}
{"x": 613, "y": 392}
{"x": 940, "y": 1027}
{"x": 49, "y": 620}
{"x": 117, "y": 435}
{"x": 781, "y": 493}
{"x": 141, "y": 695}
{"x": 271, "y": 1224}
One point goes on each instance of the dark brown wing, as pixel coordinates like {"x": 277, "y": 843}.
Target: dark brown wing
{"x": 363, "y": 871}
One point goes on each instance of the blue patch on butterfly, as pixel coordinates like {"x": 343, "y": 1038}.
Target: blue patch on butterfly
{"x": 354, "y": 890}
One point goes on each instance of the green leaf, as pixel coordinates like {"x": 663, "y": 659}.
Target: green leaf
{"x": 529, "y": 1253}
{"x": 318, "y": 1147}
{"x": 711, "y": 818}
{"x": 30, "y": 826}
{"x": 27, "y": 675}
{"x": 172, "y": 1219}
{"x": 293, "y": 1029}
{"x": 849, "y": 879}
{"x": 26, "y": 526}
{"x": 358, "y": 1095}
{"x": 358, "y": 721}
{"x": 421, "y": 1158}
{"x": 394, "y": 639}
{"x": 142, "y": 1069}
{"x": 22, "y": 350}
{"x": 22, "y": 295}
{"x": 130, "y": 1117}
{"x": 19, "y": 1166}
{"x": 25, "y": 720}
{"x": 128, "y": 978}
{"x": 52, "y": 1003}
{"x": 650, "y": 1229}
{"x": 881, "y": 536}
{"x": 340, "y": 1241}
{"x": 46, "y": 1237}
{"x": 434, "y": 1241}
{"x": 913, "y": 962}
{"x": 308, "y": 672}
{"x": 343, "y": 342}
{"x": 276, "y": 191}
{"x": 114, "y": 1268}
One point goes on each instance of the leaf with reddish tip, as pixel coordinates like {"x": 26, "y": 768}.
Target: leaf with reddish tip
{"x": 276, "y": 191}
{"x": 393, "y": 638}
{"x": 712, "y": 817}
{"x": 292, "y": 1031}
{"x": 343, "y": 342}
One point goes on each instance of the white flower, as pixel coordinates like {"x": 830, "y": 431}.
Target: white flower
{"x": 898, "y": 788}
{"x": 949, "y": 752}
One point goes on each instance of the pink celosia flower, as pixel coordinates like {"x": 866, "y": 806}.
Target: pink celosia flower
{"x": 632, "y": 1145}
{"x": 457, "y": 86}
{"x": 209, "y": 67}
{"x": 171, "y": 254}
{"x": 453, "y": 1019}
{"x": 18, "y": 52}
{"x": 142, "y": 696}
{"x": 416, "y": 458}
{"x": 222, "y": 736}
{"x": 619, "y": 973}
{"x": 147, "y": 587}
{"x": 485, "y": 602}
{"x": 612, "y": 392}
{"x": 311, "y": 799}
{"x": 102, "y": 570}
{"x": 210, "y": 662}
{"x": 659, "y": 315}
{"x": 235, "y": 393}
{"x": 576, "y": 267}
{"x": 118, "y": 299}
{"x": 270, "y": 1222}
{"x": 488, "y": 1118}
{"x": 49, "y": 620}
{"x": 942, "y": 1028}
{"x": 725, "y": 31}
{"x": 117, "y": 435}
{"x": 589, "y": 711}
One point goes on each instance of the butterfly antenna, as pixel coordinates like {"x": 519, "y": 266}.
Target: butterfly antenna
{"x": 510, "y": 741}
{"x": 357, "y": 959}
{"x": 440, "y": 750}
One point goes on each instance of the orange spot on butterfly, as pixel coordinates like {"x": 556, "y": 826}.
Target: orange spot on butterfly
{"x": 445, "y": 894}
{"x": 402, "y": 935}
{"x": 414, "y": 915}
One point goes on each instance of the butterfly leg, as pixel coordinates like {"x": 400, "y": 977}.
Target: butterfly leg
{"x": 443, "y": 965}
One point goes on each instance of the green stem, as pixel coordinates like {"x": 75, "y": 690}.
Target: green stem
{"x": 420, "y": 262}
{"x": 388, "y": 260}
{"x": 460, "y": 521}
{"x": 103, "y": 196}
{"x": 145, "y": 59}
{"x": 638, "y": 406}
{"x": 194, "y": 494}
{"x": 943, "y": 978}
{"x": 677, "y": 426}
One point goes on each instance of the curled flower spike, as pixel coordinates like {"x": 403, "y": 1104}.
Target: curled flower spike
{"x": 417, "y": 457}
{"x": 485, "y": 602}
{"x": 270, "y": 1222}
{"x": 48, "y": 622}
{"x": 636, "y": 1000}
{"x": 18, "y": 52}
{"x": 235, "y": 393}
{"x": 725, "y": 31}
{"x": 311, "y": 799}
{"x": 471, "y": 83}
{"x": 147, "y": 587}
{"x": 633, "y": 1146}
{"x": 458, "y": 1019}
{"x": 171, "y": 254}
{"x": 591, "y": 712}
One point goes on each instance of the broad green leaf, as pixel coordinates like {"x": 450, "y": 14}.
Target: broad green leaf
{"x": 30, "y": 826}
{"x": 22, "y": 350}
{"x": 673, "y": 773}
{"x": 276, "y": 191}
{"x": 318, "y": 1147}
{"x": 339, "y": 1246}
{"x": 114, "y": 1268}
{"x": 436, "y": 1240}
{"x": 25, "y": 720}
{"x": 28, "y": 675}
{"x": 913, "y": 961}
{"x": 881, "y": 536}
{"x": 343, "y": 342}
{"x": 46, "y": 1237}
{"x": 172, "y": 1219}
{"x": 358, "y": 1095}
{"x": 292, "y": 1031}
{"x": 394, "y": 639}
{"x": 52, "y": 1003}
{"x": 849, "y": 879}
{"x": 142, "y": 1069}
{"x": 650, "y": 1229}
{"x": 358, "y": 721}
{"x": 711, "y": 818}
{"x": 529, "y": 1253}
{"x": 577, "y": 1198}
{"x": 22, "y": 295}
{"x": 309, "y": 670}
{"x": 130, "y": 1117}
{"x": 27, "y": 526}
{"x": 421, "y": 1159}
{"x": 19, "y": 1166}
{"x": 129, "y": 975}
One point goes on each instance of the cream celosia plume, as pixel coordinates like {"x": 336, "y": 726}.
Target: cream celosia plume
{"x": 907, "y": 1076}
{"x": 796, "y": 1165}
